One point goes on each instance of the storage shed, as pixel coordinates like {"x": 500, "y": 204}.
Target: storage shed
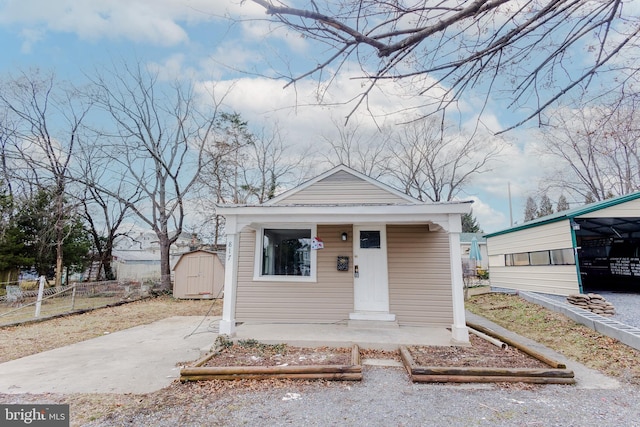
{"x": 198, "y": 274}
{"x": 595, "y": 247}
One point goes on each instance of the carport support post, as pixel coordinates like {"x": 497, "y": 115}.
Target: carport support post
{"x": 459, "y": 331}
{"x": 228, "y": 322}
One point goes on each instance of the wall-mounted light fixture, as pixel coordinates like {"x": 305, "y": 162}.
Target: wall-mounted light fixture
{"x": 344, "y": 236}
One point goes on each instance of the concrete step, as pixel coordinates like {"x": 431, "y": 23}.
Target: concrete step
{"x": 372, "y": 324}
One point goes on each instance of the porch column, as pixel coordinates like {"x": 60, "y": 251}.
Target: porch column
{"x": 228, "y": 322}
{"x": 459, "y": 329}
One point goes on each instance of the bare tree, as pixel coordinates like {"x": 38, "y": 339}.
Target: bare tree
{"x": 430, "y": 162}
{"x": 597, "y": 149}
{"x": 469, "y": 44}
{"x": 246, "y": 167}
{"x": 103, "y": 213}
{"x": 156, "y": 145}
{"x": 530, "y": 209}
{"x": 272, "y": 166}
{"x": 46, "y": 118}
{"x": 362, "y": 150}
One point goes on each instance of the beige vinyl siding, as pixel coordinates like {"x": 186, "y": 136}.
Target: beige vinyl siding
{"x": 328, "y": 300}
{"x": 556, "y": 235}
{"x": 553, "y": 279}
{"x": 419, "y": 276}
{"x": 629, "y": 209}
{"x": 341, "y": 188}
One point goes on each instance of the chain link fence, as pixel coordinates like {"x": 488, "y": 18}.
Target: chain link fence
{"x": 19, "y": 305}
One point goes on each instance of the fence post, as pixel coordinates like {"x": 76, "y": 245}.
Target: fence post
{"x": 40, "y": 292}
{"x": 73, "y": 297}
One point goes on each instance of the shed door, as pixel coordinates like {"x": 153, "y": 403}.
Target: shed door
{"x": 370, "y": 283}
{"x": 197, "y": 277}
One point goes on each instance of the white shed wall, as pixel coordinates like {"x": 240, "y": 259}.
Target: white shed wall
{"x": 556, "y": 235}
{"x": 624, "y": 210}
{"x": 552, "y": 279}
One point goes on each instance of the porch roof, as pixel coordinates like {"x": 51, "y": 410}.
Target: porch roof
{"x": 238, "y": 216}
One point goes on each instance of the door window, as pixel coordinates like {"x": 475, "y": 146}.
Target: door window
{"x": 370, "y": 239}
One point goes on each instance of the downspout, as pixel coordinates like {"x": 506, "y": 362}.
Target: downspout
{"x": 574, "y": 242}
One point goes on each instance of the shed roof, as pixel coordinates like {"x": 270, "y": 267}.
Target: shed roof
{"x": 570, "y": 213}
{"x": 204, "y": 251}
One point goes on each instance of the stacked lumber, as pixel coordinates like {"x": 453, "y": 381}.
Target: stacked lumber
{"x": 592, "y": 302}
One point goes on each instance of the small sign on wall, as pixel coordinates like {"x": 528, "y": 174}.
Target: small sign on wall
{"x": 317, "y": 243}
{"x": 343, "y": 263}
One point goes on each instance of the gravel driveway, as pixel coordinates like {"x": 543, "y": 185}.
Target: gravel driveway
{"x": 386, "y": 397}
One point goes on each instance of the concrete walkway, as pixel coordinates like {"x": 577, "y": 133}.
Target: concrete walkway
{"x": 137, "y": 360}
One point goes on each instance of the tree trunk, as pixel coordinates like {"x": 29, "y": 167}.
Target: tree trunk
{"x": 165, "y": 264}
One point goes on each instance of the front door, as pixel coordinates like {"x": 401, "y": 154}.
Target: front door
{"x": 370, "y": 282}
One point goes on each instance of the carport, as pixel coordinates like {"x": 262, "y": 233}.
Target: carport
{"x": 608, "y": 253}
{"x": 595, "y": 247}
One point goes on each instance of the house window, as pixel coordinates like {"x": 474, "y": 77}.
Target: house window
{"x": 286, "y": 252}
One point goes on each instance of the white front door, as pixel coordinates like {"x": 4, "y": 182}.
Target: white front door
{"x": 370, "y": 282}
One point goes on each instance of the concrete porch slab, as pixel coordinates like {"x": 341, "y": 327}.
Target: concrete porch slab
{"x": 341, "y": 335}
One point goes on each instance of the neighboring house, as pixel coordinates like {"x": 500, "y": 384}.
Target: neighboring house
{"x": 137, "y": 257}
{"x": 148, "y": 241}
{"x": 199, "y": 274}
{"x": 590, "y": 248}
{"x": 136, "y": 265}
{"x": 341, "y": 247}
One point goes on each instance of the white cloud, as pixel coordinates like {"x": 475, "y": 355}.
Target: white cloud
{"x": 151, "y": 21}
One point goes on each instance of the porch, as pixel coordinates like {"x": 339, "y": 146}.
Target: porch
{"x": 374, "y": 336}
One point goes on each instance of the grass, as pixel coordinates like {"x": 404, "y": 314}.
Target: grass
{"x": 560, "y": 333}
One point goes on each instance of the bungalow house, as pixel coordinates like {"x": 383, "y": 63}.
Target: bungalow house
{"x": 595, "y": 247}
{"x": 344, "y": 247}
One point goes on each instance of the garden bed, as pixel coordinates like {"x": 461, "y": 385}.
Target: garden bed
{"x": 253, "y": 360}
{"x": 483, "y": 362}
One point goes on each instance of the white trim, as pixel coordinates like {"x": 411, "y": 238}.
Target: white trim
{"x": 459, "y": 331}
{"x": 257, "y": 259}
{"x": 227, "y": 324}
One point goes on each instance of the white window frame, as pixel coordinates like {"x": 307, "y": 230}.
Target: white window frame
{"x": 257, "y": 262}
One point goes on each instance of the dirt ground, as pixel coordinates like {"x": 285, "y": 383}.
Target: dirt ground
{"x": 481, "y": 353}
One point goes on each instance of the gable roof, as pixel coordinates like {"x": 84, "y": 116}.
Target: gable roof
{"x": 335, "y": 172}
{"x": 570, "y": 213}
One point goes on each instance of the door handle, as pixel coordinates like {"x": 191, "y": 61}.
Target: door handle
{"x": 356, "y": 272}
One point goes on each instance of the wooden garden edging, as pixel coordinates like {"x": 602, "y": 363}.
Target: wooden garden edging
{"x": 197, "y": 372}
{"x": 555, "y": 374}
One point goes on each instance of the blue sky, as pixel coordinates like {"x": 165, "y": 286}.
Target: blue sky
{"x": 195, "y": 38}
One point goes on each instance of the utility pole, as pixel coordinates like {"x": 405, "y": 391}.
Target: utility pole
{"x": 510, "y": 208}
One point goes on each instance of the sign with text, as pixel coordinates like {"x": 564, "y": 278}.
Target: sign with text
{"x": 34, "y": 415}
